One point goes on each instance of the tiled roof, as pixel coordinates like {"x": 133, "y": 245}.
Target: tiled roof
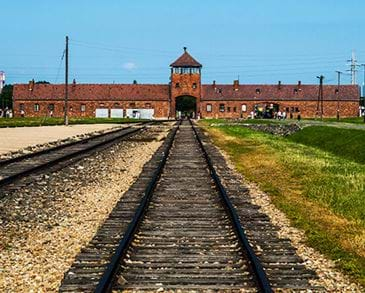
{"x": 185, "y": 60}
{"x": 272, "y": 92}
{"x": 137, "y": 92}
{"x": 160, "y": 92}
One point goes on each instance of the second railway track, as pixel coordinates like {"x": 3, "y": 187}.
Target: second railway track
{"x": 18, "y": 167}
{"x": 176, "y": 228}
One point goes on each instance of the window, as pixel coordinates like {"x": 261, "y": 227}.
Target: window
{"x": 83, "y": 108}
{"x": 116, "y": 105}
{"x": 287, "y": 109}
{"x": 234, "y": 109}
{"x": 21, "y": 107}
{"x": 258, "y": 91}
{"x": 51, "y": 107}
{"x": 209, "y": 107}
{"x": 132, "y": 105}
{"x": 295, "y": 91}
{"x": 221, "y": 107}
{"x": 36, "y": 108}
{"x": 296, "y": 109}
{"x": 336, "y": 91}
{"x": 228, "y": 109}
{"x": 194, "y": 85}
{"x": 177, "y": 85}
{"x": 243, "y": 107}
{"x": 148, "y": 105}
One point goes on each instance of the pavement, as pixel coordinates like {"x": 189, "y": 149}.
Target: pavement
{"x": 13, "y": 139}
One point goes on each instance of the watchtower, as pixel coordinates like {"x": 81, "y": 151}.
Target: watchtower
{"x": 185, "y": 85}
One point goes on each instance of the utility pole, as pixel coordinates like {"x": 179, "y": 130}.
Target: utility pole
{"x": 320, "y": 96}
{"x": 363, "y": 94}
{"x": 66, "y": 83}
{"x": 363, "y": 83}
{"x": 338, "y": 93}
{"x": 353, "y": 68}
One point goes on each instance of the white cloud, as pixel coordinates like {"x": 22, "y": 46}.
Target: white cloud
{"x": 129, "y": 66}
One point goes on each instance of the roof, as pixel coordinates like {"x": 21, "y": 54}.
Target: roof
{"x": 222, "y": 92}
{"x": 185, "y": 60}
{"x": 100, "y": 92}
{"x": 160, "y": 92}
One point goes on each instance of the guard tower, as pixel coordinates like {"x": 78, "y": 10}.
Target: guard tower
{"x": 185, "y": 85}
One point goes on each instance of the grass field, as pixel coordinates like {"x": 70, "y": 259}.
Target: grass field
{"x": 27, "y": 121}
{"x": 356, "y": 120}
{"x": 316, "y": 176}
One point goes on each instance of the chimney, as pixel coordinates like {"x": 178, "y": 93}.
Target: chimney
{"x": 31, "y": 85}
{"x": 236, "y": 84}
{"x": 279, "y": 84}
{"x": 214, "y": 83}
{"x": 74, "y": 82}
{"x": 299, "y": 83}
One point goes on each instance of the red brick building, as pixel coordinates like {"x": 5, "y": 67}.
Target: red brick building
{"x": 162, "y": 100}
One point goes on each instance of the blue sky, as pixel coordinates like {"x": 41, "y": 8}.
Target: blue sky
{"x": 119, "y": 41}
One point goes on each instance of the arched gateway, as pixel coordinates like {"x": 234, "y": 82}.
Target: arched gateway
{"x": 186, "y": 106}
{"x": 185, "y": 85}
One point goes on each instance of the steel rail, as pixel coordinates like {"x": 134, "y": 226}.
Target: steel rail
{"x": 11, "y": 178}
{"x": 106, "y": 280}
{"x": 257, "y": 267}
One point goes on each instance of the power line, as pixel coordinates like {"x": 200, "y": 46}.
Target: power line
{"x": 59, "y": 67}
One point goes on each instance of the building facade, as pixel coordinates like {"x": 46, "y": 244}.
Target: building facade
{"x": 161, "y": 101}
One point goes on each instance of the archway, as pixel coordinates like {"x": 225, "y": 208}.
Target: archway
{"x": 185, "y": 107}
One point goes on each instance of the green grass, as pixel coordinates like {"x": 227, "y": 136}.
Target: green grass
{"x": 320, "y": 187}
{"x": 346, "y": 143}
{"x": 40, "y": 121}
{"x": 356, "y": 120}
{"x": 246, "y": 121}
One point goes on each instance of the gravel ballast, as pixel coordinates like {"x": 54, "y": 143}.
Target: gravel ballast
{"x": 46, "y": 223}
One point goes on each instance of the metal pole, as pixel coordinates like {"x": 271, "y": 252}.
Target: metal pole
{"x": 338, "y": 94}
{"x": 66, "y": 84}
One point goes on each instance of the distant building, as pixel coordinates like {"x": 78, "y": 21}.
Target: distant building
{"x": 167, "y": 100}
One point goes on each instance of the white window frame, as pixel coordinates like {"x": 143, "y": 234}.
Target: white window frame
{"x": 209, "y": 107}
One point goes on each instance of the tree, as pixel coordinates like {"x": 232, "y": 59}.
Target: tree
{"x": 6, "y": 97}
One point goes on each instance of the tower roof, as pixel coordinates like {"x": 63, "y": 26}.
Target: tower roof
{"x": 185, "y": 60}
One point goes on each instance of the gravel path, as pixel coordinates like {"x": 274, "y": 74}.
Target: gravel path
{"x": 44, "y": 225}
{"x": 18, "y": 138}
{"x": 329, "y": 277}
{"x": 16, "y": 145}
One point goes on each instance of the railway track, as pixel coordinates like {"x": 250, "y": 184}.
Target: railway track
{"x": 21, "y": 166}
{"x": 176, "y": 228}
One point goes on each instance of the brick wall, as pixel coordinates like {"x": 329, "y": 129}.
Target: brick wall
{"x": 160, "y": 107}
{"x": 232, "y": 109}
{"x": 185, "y": 88}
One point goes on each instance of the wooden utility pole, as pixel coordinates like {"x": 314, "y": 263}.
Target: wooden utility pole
{"x": 338, "y": 94}
{"x": 66, "y": 83}
{"x": 320, "y": 96}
